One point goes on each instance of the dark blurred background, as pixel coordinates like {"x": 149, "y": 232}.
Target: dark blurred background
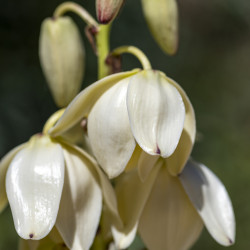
{"x": 212, "y": 65}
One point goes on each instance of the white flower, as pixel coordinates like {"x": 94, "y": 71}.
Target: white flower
{"x": 170, "y": 210}
{"x": 124, "y": 109}
{"x": 50, "y": 182}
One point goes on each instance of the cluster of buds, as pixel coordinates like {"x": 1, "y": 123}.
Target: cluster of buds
{"x": 132, "y": 168}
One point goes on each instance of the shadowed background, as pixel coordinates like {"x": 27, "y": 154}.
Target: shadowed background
{"x": 212, "y": 65}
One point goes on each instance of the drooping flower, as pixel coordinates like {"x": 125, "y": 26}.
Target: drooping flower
{"x": 169, "y": 211}
{"x": 173, "y": 215}
{"x": 50, "y": 182}
{"x": 139, "y": 107}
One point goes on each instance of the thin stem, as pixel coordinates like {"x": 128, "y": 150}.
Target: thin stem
{"x": 78, "y": 9}
{"x": 102, "y": 44}
{"x": 134, "y": 51}
{"x": 52, "y": 120}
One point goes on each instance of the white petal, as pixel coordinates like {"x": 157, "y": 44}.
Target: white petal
{"x": 169, "y": 221}
{"x": 81, "y": 203}
{"x": 211, "y": 200}
{"x": 4, "y": 164}
{"x": 84, "y": 101}
{"x": 34, "y": 184}
{"x": 132, "y": 195}
{"x": 109, "y": 130}
{"x": 178, "y": 159}
{"x": 156, "y": 113}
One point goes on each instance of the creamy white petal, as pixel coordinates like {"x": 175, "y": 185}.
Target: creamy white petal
{"x": 178, "y": 159}
{"x": 81, "y": 203}
{"x": 211, "y": 200}
{"x": 34, "y": 184}
{"x": 109, "y": 130}
{"x": 156, "y": 112}
{"x": 132, "y": 195}
{"x": 169, "y": 221}
{"x": 4, "y": 164}
{"x": 145, "y": 164}
{"x": 84, "y": 101}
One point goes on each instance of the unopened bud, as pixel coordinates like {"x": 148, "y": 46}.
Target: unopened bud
{"x": 107, "y": 10}
{"x": 62, "y": 55}
{"x": 162, "y": 19}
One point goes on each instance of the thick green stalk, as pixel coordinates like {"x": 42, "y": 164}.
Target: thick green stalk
{"x": 102, "y": 44}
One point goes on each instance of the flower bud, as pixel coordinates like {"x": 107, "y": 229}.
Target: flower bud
{"x": 107, "y": 10}
{"x": 62, "y": 54}
{"x": 162, "y": 19}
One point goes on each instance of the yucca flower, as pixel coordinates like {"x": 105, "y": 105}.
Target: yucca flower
{"x": 178, "y": 207}
{"x": 169, "y": 211}
{"x": 50, "y": 182}
{"x": 123, "y": 110}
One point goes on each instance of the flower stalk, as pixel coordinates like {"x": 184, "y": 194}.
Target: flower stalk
{"x": 134, "y": 51}
{"x": 77, "y": 9}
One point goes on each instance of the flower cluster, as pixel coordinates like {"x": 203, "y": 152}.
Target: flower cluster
{"x": 127, "y": 169}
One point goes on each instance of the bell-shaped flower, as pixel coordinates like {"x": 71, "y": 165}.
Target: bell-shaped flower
{"x": 106, "y": 10}
{"x": 50, "y": 182}
{"x": 123, "y": 110}
{"x": 62, "y": 57}
{"x": 169, "y": 211}
{"x": 162, "y": 20}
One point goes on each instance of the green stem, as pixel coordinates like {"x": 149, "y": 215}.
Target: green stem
{"x": 134, "y": 51}
{"x": 102, "y": 44}
{"x": 77, "y": 9}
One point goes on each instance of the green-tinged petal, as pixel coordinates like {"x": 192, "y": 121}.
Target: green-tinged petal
{"x": 4, "y": 164}
{"x": 211, "y": 201}
{"x": 162, "y": 19}
{"x": 169, "y": 221}
{"x": 178, "y": 159}
{"x": 132, "y": 195}
{"x": 145, "y": 164}
{"x": 156, "y": 112}
{"x": 109, "y": 130}
{"x": 34, "y": 184}
{"x": 84, "y": 101}
{"x": 106, "y": 10}
{"x": 81, "y": 203}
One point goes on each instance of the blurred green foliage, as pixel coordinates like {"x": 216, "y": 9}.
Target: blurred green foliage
{"x": 212, "y": 65}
